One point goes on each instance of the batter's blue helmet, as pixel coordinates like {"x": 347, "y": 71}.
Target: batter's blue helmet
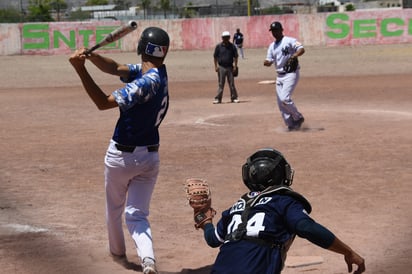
{"x": 153, "y": 42}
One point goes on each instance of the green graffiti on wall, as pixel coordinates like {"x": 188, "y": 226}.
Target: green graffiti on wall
{"x": 341, "y": 26}
{"x": 40, "y": 37}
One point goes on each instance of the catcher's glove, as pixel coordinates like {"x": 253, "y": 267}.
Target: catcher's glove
{"x": 199, "y": 196}
{"x": 291, "y": 65}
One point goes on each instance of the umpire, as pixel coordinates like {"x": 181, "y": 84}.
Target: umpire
{"x": 225, "y": 59}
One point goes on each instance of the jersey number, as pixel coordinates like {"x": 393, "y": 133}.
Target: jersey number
{"x": 253, "y": 227}
{"x": 162, "y": 111}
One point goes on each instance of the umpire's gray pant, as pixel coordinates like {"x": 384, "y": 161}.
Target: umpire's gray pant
{"x": 222, "y": 74}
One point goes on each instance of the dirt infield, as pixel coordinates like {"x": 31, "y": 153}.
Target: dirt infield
{"x": 352, "y": 161}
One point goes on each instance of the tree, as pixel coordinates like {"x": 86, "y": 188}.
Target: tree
{"x": 39, "y": 11}
{"x": 145, "y": 5}
{"x": 58, "y": 5}
{"x": 349, "y": 7}
{"x": 188, "y": 12}
{"x": 10, "y": 16}
{"x": 165, "y": 6}
{"x": 79, "y": 15}
{"x": 276, "y": 10}
{"x": 96, "y": 2}
{"x": 122, "y": 4}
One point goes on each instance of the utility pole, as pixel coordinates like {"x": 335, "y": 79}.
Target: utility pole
{"x": 21, "y": 11}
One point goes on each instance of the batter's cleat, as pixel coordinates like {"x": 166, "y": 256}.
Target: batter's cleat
{"x": 235, "y": 100}
{"x": 217, "y": 101}
{"x": 149, "y": 266}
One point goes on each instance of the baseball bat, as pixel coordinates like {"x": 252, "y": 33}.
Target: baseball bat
{"x": 114, "y": 36}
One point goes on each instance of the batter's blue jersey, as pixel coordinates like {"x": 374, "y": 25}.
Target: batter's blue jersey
{"x": 273, "y": 219}
{"x": 143, "y": 104}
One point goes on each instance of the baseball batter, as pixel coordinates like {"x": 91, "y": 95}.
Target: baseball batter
{"x": 278, "y": 53}
{"x": 132, "y": 158}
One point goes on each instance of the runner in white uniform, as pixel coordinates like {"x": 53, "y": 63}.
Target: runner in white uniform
{"x": 278, "y": 53}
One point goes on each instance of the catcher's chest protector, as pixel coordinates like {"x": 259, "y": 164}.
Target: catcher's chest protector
{"x": 250, "y": 199}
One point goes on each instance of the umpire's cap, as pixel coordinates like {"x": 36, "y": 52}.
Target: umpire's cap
{"x": 226, "y": 34}
{"x": 275, "y": 26}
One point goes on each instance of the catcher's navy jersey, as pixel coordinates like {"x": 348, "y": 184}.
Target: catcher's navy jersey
{"x": 273, "y": 218}
{"x": 143, "y": 104}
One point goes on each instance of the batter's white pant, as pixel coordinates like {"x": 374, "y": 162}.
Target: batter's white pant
{"x": 285, "y": 86}
{"x": 129, "y": 182}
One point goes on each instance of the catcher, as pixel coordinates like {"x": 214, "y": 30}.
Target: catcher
{"x": 255, "y": 233}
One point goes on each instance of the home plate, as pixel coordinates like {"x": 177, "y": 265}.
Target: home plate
{"x": 301, "y": 261}
{"x": 267, "y": 82}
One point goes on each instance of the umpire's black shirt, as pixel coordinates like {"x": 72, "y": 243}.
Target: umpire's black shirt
{"x": 225, "y": 53}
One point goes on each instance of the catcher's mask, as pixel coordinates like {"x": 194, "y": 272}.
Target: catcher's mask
{"x": 153, "y": 42}
{"x": 266, "y": 167}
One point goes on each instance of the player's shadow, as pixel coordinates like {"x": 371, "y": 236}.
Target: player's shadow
{"x": 203, "y": 270}
{"x": 123, "y": 261}
{"x": 240, "y": 102}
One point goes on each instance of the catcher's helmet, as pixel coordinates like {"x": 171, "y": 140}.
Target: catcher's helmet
{"x": 153, "y": 42}
{"x": 266, "y": 167}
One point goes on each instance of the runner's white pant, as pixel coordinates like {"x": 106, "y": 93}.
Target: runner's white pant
{"x": 129, "y": 181}
{"x": 240, "y": 48}
{"x": 285, "y": 86}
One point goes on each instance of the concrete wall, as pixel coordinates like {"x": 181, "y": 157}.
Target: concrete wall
{"x": 388, "y": 26}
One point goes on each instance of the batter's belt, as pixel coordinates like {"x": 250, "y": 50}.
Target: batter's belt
{"x": 123, "y": 148}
